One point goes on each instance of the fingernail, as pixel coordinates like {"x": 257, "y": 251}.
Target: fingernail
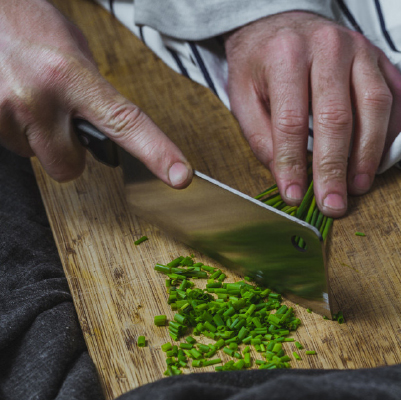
{"x": 334, "y": 201}
{"x": 362, "y": 182}
{"x": 178, "y": 174}
{"x": 294, "y": 192}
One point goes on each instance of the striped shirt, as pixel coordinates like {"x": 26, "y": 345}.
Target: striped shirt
{"x": 186, "y": 35}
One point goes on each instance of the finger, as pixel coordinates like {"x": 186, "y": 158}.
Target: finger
{"x": 252, "y": 114}
{"x": 288, "y": 94}
{"x": 332, "y": 113}
{"x": 392, "y": 77}
{"x": 132, "y": 129}
{"x": 372, "y": 103}
{"x": 57, "y": 148}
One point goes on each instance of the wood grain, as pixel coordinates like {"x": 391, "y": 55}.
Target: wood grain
{"x": 115, "y": 289}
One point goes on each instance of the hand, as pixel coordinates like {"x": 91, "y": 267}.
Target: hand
{"x": 282, "y": 63}
{"x": 48, "y": 77}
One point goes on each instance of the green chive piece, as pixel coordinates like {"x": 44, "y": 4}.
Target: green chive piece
{"x": 327, "y": 227}
{"x": 339, "y": 317}
{"x": 310, "y": 352}
{"x": 141, "y": 240}
{"x": 299, "y": 345}
{"x": 197, "y": 363}
{"x": 141, "y": 341}
{"x": 247, "y": 360}
{"x": 267, "y": 191}
{"x": 212, "y": 362}
{"x": 186, "y": 346}
{"x": 160, "y": 320}
{"x": 359, "y": 234}
{"x": 190, "y": 340}
{"x": 305, "y": 202}
{"x": 167, "y": 346}
{"x": 296, "y": 356}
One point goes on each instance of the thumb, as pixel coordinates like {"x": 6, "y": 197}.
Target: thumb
{"x": 128, "y": 126}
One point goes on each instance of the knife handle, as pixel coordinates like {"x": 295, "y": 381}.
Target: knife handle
{"x": 101, "y": 147}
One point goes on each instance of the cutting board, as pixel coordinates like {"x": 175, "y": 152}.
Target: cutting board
{"x": 115, "y": 289}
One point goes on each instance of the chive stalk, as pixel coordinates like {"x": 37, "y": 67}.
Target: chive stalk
{"x": 140, "y": 240}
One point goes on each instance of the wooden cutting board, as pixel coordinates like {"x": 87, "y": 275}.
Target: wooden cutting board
{"x": 115, "y": 289}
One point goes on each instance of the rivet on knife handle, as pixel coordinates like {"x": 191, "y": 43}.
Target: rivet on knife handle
{"x": 101, "y": 147}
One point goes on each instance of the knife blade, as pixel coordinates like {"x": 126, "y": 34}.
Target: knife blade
{"x": 241, "y": 233}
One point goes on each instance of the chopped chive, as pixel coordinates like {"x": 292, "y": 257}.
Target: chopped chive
{"x": 299, "y": 345}
{"x": 197, "y": 363}
{"x": 186, "y": 346}
{"x": 310, "y": 352}
{"x": 160, "y": 320}
{"x": 235, "y": 313}
{"x": 359, "y": 234}
{"x": 167, "y": 346}
{"x": 140, "y": 240}
{"x": 190, "y": 340}
{"x": 296, "y": 356}
{"x": 141, "y": 341}
{"x": 212, "y": 362}
{"x": 339, "y": 317}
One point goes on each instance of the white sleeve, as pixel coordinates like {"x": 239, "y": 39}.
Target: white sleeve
{"x": 199, "y": 20}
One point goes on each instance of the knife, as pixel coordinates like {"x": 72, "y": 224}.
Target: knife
{"x": 241, "y": 233}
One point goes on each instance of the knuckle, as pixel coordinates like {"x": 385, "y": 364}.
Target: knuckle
{"x": 287, "y": 43}
{"x": 379, "y": 98}
{"x": 125, "y": 121}
{"x": 290, "y": 122}
{"x": 56, "y": 67}
{"x": 360, "y": 40}
{"x": 289, "y": 163}
{"x": 287, "y": 49}
{"x": 334, "y": 118}
{"x": 333, "y": 169}
{"x": 330, "y": 36}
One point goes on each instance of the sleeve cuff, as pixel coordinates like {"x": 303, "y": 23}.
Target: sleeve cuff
{"x": 189, "y": 20}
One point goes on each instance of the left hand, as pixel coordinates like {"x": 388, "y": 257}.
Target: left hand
{"x": 280, "y": 64}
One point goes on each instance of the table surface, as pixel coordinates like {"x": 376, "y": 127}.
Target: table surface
{"x": 115, "y": 289}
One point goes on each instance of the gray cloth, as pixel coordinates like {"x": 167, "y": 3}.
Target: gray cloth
{"x": 373, "y": 384}
{"x": 42, "y": 351}
{"x": 198, "y": 20}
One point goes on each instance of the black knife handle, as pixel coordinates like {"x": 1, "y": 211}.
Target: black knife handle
{"x": 102, "y": 148}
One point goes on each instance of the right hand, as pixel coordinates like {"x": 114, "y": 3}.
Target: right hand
{"x": 48, "y": 77}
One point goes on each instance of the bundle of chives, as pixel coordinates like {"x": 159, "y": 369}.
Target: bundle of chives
{"x": 248, "y": 315}
{"x": 307, "y": 211}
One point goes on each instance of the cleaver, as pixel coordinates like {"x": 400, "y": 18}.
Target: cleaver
{"x": 239, "y": 232}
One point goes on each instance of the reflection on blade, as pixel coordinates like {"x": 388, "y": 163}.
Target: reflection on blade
{"x": 241, "y": 233}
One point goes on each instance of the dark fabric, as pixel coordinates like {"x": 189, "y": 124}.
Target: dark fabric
{"x": 373, "y": 384}
{"x": 42, "y": 351}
